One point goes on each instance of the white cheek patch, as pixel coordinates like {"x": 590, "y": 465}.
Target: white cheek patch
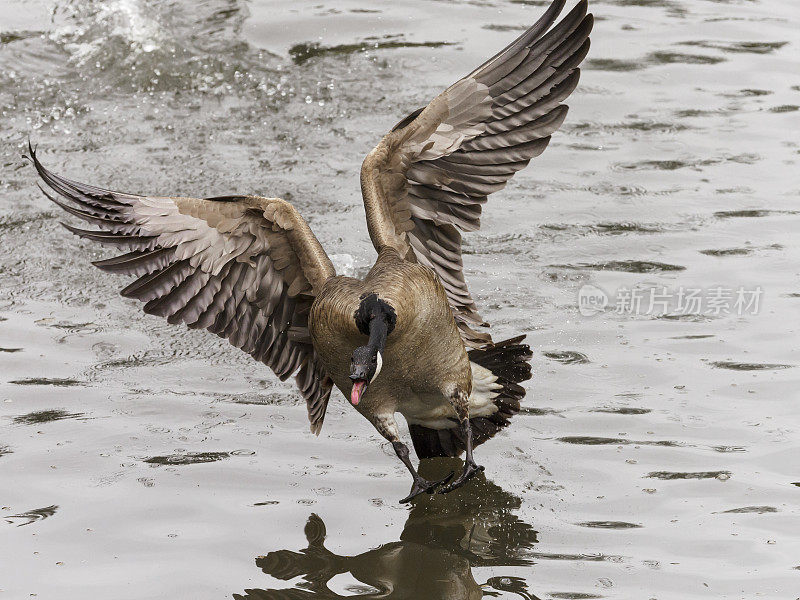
{"x": 378, "y": 369}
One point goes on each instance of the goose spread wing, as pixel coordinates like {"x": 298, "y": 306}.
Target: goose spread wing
{"x": 429, "y": 177}
{"x": 244, "y": 267}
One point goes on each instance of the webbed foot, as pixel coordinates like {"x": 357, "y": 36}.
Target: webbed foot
{"x": 470, "y": 469}
{"x": 423, "y": 486}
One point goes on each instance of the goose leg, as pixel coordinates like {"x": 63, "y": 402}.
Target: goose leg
{"x": 461, "y": 404}
{"x": 420, "y": 485}
{"x": 388, "y": 429}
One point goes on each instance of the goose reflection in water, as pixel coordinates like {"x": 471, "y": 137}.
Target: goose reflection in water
{"x": 443, "y": 539}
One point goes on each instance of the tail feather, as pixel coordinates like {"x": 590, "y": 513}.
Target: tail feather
{"x": 509, "y": 361}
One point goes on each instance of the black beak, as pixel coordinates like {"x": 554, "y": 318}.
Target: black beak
{"x": 359, "y": 372}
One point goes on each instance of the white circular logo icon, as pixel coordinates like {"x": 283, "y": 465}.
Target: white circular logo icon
{"x": 591, "y": 300}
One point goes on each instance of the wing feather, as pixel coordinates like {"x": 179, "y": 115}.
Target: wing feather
{"x": 243, "y": 267}
{"x": 430, "y": 176}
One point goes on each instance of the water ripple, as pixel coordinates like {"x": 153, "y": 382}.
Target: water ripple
{"x": 58, "y": 382}
{"x": 302, "y": 53}
{"x": 759, "y": 510}
{"x": 749, "y": 47}
{"x": 603, "y": 441}
{"x": 626, "y": 266}
{"x": 743, "y": 366}
{"x": 567, "y": 357}
{"x": 45, "y": 416}
{"x": 186, "y": 458}
{"x": 670, "y": 475}
{"x": 609, "y": 525}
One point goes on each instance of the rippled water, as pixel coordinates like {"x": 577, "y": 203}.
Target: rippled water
{"x": 656, "y": 456}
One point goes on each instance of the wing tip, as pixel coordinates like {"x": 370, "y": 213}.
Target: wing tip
{"x": 52, "y": 180}
{"x": 73, "y": 230}
{"x": 35, "y": 161}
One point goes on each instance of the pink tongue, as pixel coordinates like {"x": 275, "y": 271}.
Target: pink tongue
{"x": 358, "y": 389}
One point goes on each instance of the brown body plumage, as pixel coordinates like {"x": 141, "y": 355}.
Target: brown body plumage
{"x": 251, "y": 270}
{"x": 425, "y": 328}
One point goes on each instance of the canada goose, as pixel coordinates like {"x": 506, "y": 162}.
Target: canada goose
{"x": 250, "y": 269}
{"x": 441, "y": 544}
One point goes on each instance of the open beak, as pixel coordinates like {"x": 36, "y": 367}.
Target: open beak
{"x": 359, "y": 385}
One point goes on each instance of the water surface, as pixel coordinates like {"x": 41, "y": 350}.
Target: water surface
{"x": 656, "y": 455}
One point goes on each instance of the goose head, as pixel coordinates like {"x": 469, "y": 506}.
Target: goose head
{"x": 375, "y": 318}
{"x": 365, "y": 366}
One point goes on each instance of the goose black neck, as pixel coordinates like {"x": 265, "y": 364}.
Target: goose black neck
{"x": 375, "y": 318}
{"x": 378, "y": 331}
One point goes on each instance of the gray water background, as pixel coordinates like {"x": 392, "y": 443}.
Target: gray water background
{"x": 656, "y": 455}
